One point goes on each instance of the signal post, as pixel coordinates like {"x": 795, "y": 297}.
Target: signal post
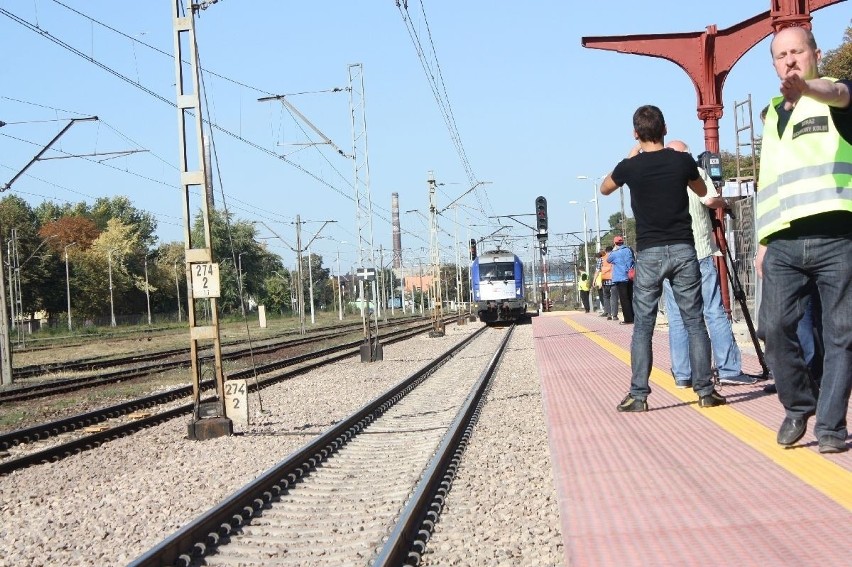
{"x": 541, "y": 226}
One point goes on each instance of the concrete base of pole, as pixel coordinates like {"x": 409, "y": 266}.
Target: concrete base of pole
{"x": 209, "y": 428}
{"x": 372, "y": 351}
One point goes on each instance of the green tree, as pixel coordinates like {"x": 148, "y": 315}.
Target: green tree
{"x": 236, "y": 249}
{"x": 729, "y": 165}
{"x": 119, "y": 207}
{"x": 837, "y": 62}
{"x": 276, "y": 294}
{"x": 92, "y": 271}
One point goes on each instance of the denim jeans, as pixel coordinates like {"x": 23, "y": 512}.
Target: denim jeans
{"x": 603, "y": 291}
{"x": 613, "y": 300}
{"x": 788, "y": 267}
{"x": 726, "y": 353}
{"x": 679, "y": 264}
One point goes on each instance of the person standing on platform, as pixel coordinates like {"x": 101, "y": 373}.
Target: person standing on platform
{"x": 584, "y": 285}
{"x": 597, "y": 284}
{"x": 658, "y": 178}
{"x": 803, "y": 215}
{"x": 809, "y": 331}
{"x": 726, "y": 352}
{"x": 606, "y": 276}
{"x": 622, "y": 260}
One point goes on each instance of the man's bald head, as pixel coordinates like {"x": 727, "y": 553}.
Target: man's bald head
{"x": 678, "y": 146}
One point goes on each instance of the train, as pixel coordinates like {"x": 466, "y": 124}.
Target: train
{"x": 498, "y": 287}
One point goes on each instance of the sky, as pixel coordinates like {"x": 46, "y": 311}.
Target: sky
{"x": 529, "y": 111}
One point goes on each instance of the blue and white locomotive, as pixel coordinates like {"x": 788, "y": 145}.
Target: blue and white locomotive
{"x": 498, "y": 286}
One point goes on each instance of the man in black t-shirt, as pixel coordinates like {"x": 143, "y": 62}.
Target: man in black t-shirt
{"x": 658, "y": 179}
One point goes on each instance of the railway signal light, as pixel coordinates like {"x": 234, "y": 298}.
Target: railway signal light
{"x": 541, "y": 217}
{"x": 473, "y": 249}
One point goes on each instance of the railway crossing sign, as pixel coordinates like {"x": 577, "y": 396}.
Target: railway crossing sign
{"x": 366, "y": 274}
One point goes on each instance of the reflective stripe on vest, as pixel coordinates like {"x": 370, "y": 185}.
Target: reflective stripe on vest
{"x": 808, "y": 171}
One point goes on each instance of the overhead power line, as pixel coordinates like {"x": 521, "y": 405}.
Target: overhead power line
{"x": 32, "y": 27}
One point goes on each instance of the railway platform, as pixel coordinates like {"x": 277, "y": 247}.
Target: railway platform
{"x": 679, "y": 485}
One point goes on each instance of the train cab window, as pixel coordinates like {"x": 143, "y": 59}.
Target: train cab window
{"x": 497, "y": 271}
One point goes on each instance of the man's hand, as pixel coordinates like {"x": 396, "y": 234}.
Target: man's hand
{"x": 793, "y": 87}
{"x": 758, "y": 260}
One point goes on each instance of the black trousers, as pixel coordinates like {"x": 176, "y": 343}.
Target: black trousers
{"x": 625, "y": 297}
{"x": 584, "y": 297}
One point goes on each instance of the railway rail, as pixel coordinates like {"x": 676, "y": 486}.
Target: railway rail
{"x": 144, "y": 364}
{"x": 112, "y": 427}
{"x": 98, "y": 362}
{"x": 386, "y": 469}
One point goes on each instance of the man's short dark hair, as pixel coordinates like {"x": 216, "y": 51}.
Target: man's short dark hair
{"x": 649, "y": 123}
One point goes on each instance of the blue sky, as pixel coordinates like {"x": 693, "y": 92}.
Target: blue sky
{"x": 532, "y": 108}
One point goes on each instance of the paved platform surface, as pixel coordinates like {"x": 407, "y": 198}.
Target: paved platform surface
{"x": 680, "y": 485}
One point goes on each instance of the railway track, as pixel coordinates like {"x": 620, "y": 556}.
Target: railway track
{"x": 144, "y": 364}
{"x": 98, "y": 362}
{"x": 126, "y": 418}
{"x": 368, "y": 491}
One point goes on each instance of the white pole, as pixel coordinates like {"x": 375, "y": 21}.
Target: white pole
{"x": 311, "y": 286}
{"x": 111, "y": 305}
{"x": 240, "y": 269}
{"x": 177, "y": 290}
{"x": 147, "y": 293}
{"x": 339, "y": 289}
{"x": 597, "y": 216}
{"x": 68, "y": 284}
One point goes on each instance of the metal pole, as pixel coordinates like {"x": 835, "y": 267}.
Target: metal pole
{"x": 311, "y": 285}
{"x": 585, "y": 243}
{"x": 11, "y": 285}
{"x": 5, "y": 340}
{"x": 402, "y": 285}
{"x": 177, "y": 290}
{"x": 147, "y": 292}
{"x": 300, "y": 284}
{"x": 240, "y": 269}
{"x": 339, "y": 289}
{"x": 597, "y": 220}
{"x": 68, "y": 284}
{"x": 111, "y": 305}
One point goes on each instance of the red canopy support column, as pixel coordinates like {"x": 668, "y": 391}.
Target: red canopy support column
{"x": 708, "y": 57}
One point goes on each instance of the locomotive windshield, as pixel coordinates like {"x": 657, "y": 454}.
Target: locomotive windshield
{"x": 497, "y": 271}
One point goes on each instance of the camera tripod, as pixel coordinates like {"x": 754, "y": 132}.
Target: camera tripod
{"x": 737, "y": 290}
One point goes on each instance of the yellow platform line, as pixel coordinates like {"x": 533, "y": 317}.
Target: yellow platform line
{"x": 810, "y": 467}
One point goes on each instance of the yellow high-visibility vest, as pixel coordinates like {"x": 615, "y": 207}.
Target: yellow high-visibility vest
{"x": 805, "y": 172}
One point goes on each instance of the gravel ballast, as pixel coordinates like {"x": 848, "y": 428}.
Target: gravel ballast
{"x": 109, "y": 505}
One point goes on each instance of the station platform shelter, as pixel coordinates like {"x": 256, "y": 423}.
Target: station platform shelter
{"x": 680, "y": 485}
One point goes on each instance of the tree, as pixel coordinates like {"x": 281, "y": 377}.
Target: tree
{"x": 837, "y": 63}
{"x": 276, "y": 294}
{"x": 143, "y": 224}
{"x": 91, "y": 279}
{"x": 68, "y": 229}
{"x": 729, "y": 165}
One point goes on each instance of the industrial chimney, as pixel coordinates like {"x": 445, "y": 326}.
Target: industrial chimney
{"x": 397, "y": 237}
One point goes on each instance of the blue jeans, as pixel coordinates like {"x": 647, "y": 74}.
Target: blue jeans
{"x": 603, "y": 291}
{"x": 726, "y": 353}
{"x": 613, "y": 300}
{"x": 789, "y": 266}
{"x": 679, "y": 264}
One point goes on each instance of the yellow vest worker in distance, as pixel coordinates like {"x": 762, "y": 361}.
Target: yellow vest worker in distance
{"x": 803, "y": 216}
{"x": 584, "y": 285}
